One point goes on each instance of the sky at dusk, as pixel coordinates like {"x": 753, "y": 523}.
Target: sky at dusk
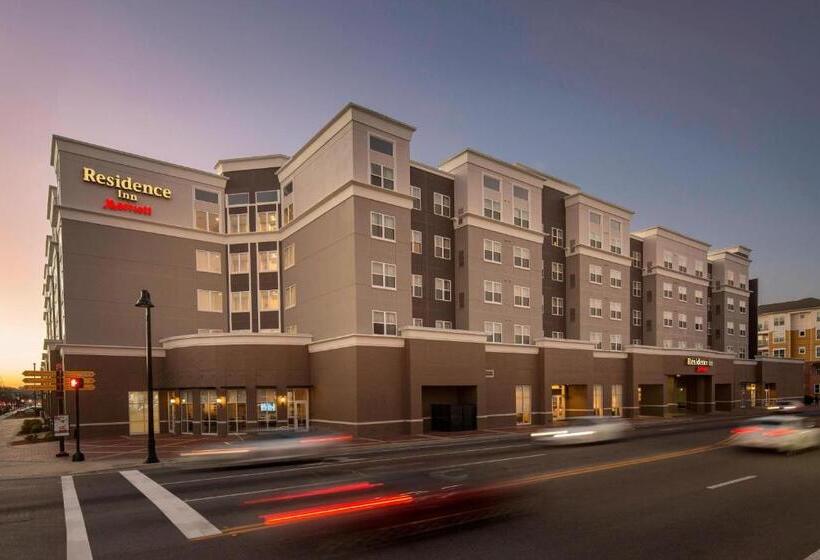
{"x": 700, "y": 116}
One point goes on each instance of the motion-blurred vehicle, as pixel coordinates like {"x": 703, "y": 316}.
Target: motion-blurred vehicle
{"x": 778, "y": 433}
{"x": 270, "y": 446}
{"x": 786, "y": 406}
{"x": 585, "y": 429}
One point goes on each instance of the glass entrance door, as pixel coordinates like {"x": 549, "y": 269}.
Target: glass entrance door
{"x": 138, "y": 412}
{"x": 523, "y": 404}
{"x": 298, "y": 410}
{"x": 559, "y": 411}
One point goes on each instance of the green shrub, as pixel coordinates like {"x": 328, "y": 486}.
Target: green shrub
{"x": 31, "y": 426}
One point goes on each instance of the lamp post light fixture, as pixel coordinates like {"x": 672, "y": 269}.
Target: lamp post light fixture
{"x": 145, "y": 303}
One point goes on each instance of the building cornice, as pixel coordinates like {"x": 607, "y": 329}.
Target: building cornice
{"x": 475, "y": 220}
{"x": 598, "y": 204}
{"x": 732, "y": 290}
{"x": 681, "y": 277}
{"x": 510, "y": 349}
{"x": 444, "y": 335}
{"x": 355, "y": 340}
{"x": 492, "y": 164}
{"x": 431, "y": 169}
{"x": 235, "y": 339}
{"x": 610, "y": 354}
{"x": 666, "y": 233}
{"x": 271, "y": 161}
{"x": 565, "y": 344}
{"x": 596, "y": 253}
{"x": 764, "y": 359}
{"x": 103, "y": 350}
{"x": 685, "y": 352}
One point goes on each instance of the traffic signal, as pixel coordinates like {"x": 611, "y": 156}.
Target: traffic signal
{"x": 77, "y": 382}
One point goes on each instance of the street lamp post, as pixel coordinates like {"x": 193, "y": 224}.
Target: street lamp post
{"x": 145, "y": 303}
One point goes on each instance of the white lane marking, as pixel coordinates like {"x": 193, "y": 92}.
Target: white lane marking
{"x": 250, "y": 492}
{"x": 814, "y": 555}
{"x": 349, "y": 461}
{"x": 76, "y": 537}
{"x": 728, "y": 482}
{"x": 517, "y": 458}
{"x": 184, "y": 517}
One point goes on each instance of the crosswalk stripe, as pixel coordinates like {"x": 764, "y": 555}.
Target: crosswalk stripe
{"x": 184, "y": 517}
{"x": 76, "y": 537}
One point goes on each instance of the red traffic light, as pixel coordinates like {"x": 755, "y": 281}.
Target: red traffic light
{"x": 76, "y": 382}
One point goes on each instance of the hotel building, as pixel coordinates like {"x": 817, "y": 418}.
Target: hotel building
{"x": 349, "y": 287}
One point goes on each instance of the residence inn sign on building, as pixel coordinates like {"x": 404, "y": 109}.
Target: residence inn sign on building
{"x": 349, "y": 287}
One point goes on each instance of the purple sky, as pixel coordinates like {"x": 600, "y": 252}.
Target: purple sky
{"x": 700, "y": 116}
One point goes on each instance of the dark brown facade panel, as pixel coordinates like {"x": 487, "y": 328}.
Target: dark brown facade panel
{"x": 636, "y": 302}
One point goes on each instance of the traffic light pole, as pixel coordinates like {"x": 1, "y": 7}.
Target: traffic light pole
{"x": 78, "y": 455}
{"x": 61, "y": 406}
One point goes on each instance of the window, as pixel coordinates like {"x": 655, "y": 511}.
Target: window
{"x": 291, "y": 329}
{"x": 240, "y": 302}
{"x": 492, "y": 251}
{"x": 615, "y": 278}
{"x": 521, "y": 334}
{"x": 681, "y": 344}
{"x": 667, "y": 343}
{"x": 742, "y": 281}
{"x": 618, "y": 399}
{"x": 558, "y": 334}
{"x": 415, "y": 242}
{"x": 523, "y": 404}
{"x": 636, "y": 259}
{"x": 382, "y": 226}
{"x": 444, "y": 289}
{"x": 682, "y": 264}
{"x": 383, "y": 275}
{"x": 667, "y": 290}
{"x": 558, "y": 306}
{"x": 269, "y": 197}
{"x": 207, "y": 221}
{"x": 741, "y": 329}
{"x": 667, "y": 260}
{"x": 730, "y": 327}
{"x": 238, "y": 223}
{"x": 816, "y": 355}
{"x": 682, "y": 321}
{"x": 268, "y": 261}
{"x": 615, "y": 342}
{"x": 237, "y": 405}
{"x": 208, "y": 261}
{"x": 557, "y": 235}
{"x": 683, "y": 293}
{"x": 615, "y": 229}
{"x": 417, "y": 286}
{"x": 741, "y": 305}
{"x": 240, "y": 263}
{"x": 636, "y": 317}
{"x": 384, "y": 322}
{"x": 492, "y": 209}
{"x": 287, "y": 214}
{"x": 596, "y": 308}
{"x": 441, "y": 249}
{"x": 444, "y": 324}
{"x": 615, "y": 312}
{"x": 730, "y": 277}
{"x": 238, "y": 199}
{"x": 779, "y": 321}
{"x": 492, "y": 292}
{"x": 699, "y": 269}
{"x": 266, "y": 220}
{"x": 415, "y": 192}
{"x": 493, "y": 331}
{"x": 558, "y": 271}
{"x": 521, "y": 296}
{"x": 521, "y": 259}
{"x": 269, "y": 300}
{"x": 441, "y": 205}
{"x": 290, "y": 296}
{"x": 381, "y": 176}
{"x": 597, "y": 339}
{"x": 779, "y": 353}
{"x": 381, "y": 145}
{"x": 266, "y": 409}
{"x": 417, "y": 322}
{"x": 206, "y": 196}
{"x": 699, "y": 323}
{"x": 667, "y": 319}
{"x": 289, "y": 255}
{"x": 209, "y": 300}
{"x": 779, "y": 337}
{"x": 521, "y": 207}
{"x": 637, "y": 288}
{"x": 595, "y": 230}
{"x": 287, "y": 189}
{"x": 698, "y": 297}
{"x": 595, "y": 274}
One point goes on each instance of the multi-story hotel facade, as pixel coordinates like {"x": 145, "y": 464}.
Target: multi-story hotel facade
{"x": 350, "y": 287}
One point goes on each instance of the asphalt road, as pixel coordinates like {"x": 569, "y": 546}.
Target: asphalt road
{"x": 646, "y": 497}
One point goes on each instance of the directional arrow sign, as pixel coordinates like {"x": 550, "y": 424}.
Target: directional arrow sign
{"x": 83, "y": 374}
{"x": 40, "y": 387}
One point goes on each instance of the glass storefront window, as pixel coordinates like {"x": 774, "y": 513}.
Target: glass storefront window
{"x": 208, "y": 404}
{"x": 138, "y": 412}
{"x": 298, "y": 409}
{"x": 237, "y": 410}
{"x": 266, "y": 409}
{"x": 617, "y": 400}
{"x": 598, "y": 399}
{"x": 186, "y": 412}
{"x": 523, "y": 404}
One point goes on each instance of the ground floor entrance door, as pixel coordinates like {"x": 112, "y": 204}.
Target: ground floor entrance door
{"x": 559, "y": 411}
{"x": 138, "y": 412}
{"x": 523, "y": 404}
{"x": 298, "y": 410}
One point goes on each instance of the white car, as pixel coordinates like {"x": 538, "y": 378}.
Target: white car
{"x": 585, "y": 429}
{"x": 779, "y": 433}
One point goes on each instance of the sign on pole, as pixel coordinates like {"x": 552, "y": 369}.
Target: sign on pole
{"x": 61, "y": 425}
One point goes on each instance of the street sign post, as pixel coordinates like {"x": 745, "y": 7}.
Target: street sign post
{"x": 77, "y": 383}
{"x": 60, "y": 389}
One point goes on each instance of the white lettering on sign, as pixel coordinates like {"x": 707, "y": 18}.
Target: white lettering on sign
{"x": 699, "y": 362}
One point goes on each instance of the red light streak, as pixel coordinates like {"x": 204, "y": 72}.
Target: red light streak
{"x": 325, "y": 439}
{"x": 745, "y": 430}
{"x": 353, "y": 487}
{"x": 336, "y": 509}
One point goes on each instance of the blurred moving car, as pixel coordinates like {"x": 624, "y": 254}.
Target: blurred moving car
{"x": 269, "y": 446}
{"x": 787, "y": 406}
{"x": 779, "y": 433}
{"x": 585, "y": 429}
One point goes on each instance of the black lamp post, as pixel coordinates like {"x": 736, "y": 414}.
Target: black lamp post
{"x": 145, "y": 303}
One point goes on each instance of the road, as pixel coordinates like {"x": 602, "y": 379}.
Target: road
{"x": 647, "y": 497}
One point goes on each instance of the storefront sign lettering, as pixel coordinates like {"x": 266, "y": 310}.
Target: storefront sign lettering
{"x": 126, "y": 187}
{"x": 699, "y": 362}
{"x": 111, "y": 204}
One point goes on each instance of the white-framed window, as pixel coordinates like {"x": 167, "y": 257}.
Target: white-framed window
{"x": 668, "y": 321}
{"x": 698, "y": 297}
{"x": 636, "y": 317}
{"x": 290, "y": 296}
{"x": 637, "y": 288}
{"x": 595, "y": 233}
{"x": 385, "y": 322}
{"x": 779, "y": 336}
{"x": 636, "y": 259}
{"x": 636, "y": 341}
{"x": 269, "y": 300}
{"x": 415, "y": 192}
{"x": 209, "y": 300}
{"x": 266, "y": 220}
{"x": 615, "y": 235}
{"x": 667, "y": 290}
{"x": 615, "y": 278}
{"x": 699, "y": 269}
{"x": 779, "y": 321}
{"x": 681, "y": 344}
{"x": 268, "y": 261}
{"x": 557, "y": 271}
{"x": 730, "y": 304}
{"x": 382, "y": 226}
{"x": 730, "y": 327}
{"x": 289, "y": 255}
{"x": 383, "y": 275}
{"x": 240, "y": 302}
{"x": 730, "y": 277}
{"x": 381, "y": 145}
{"x": 417, "y": 285}
{"x": 444, "y": 324}
{"x": 682, "y": 322}
{"x": 698, "y": 346}
{"x": 742, "y": 281}
{"x": 683, "y": 293}
{"x": 557, "y": 306}
{"x": 741, "y": 329}
{"x": 557, "y": 236}
{"x": 521, "y": 207}
{"x": 492, "y": 197}
{"x": 287, "y": 214}
{"x": 741, "y": 353}
{"x": 444, "y": 289}
{"x": 521, "y": 257}
{"x": 741, "y": 305}
{"x": 779, "y": 352}
{"x": 238, "y": 223}
{"x": 415, "y": 242}
{"x": 667, "y": 260}
{"x": 596, "y": 274}
{"x": 597, "y": 338}
{"x": 698, "y": 323}
{"x": 492, "y": 251}
{"x": 615, "y": 312}
{"x": 208, "y": 261}
{"x": 269, "y": 197}
{"x": 682, "y": 264}
{"x": 493, "y": 331}
{"x": 521, "y": 334}
{"x": 441, "y": 247}
{"x": 441, "y": 205}
{"x": 492, "y": 292}
{"x": 616, "y": 342}
{"x": 492, "y": 209}
{"x": 239, "y": 263}
{"x": 207, "y": 221}
{"x": 418, "y": 322}
{"x": 558, "y": 334}
{"x": 596, "y": 308}
{"x": 382, "y": 176}
{"x": 521, "y": 296}
{"x": 817, "y": 355}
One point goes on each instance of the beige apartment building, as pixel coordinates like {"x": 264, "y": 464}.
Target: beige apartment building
{"x": 730, "y": 297}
